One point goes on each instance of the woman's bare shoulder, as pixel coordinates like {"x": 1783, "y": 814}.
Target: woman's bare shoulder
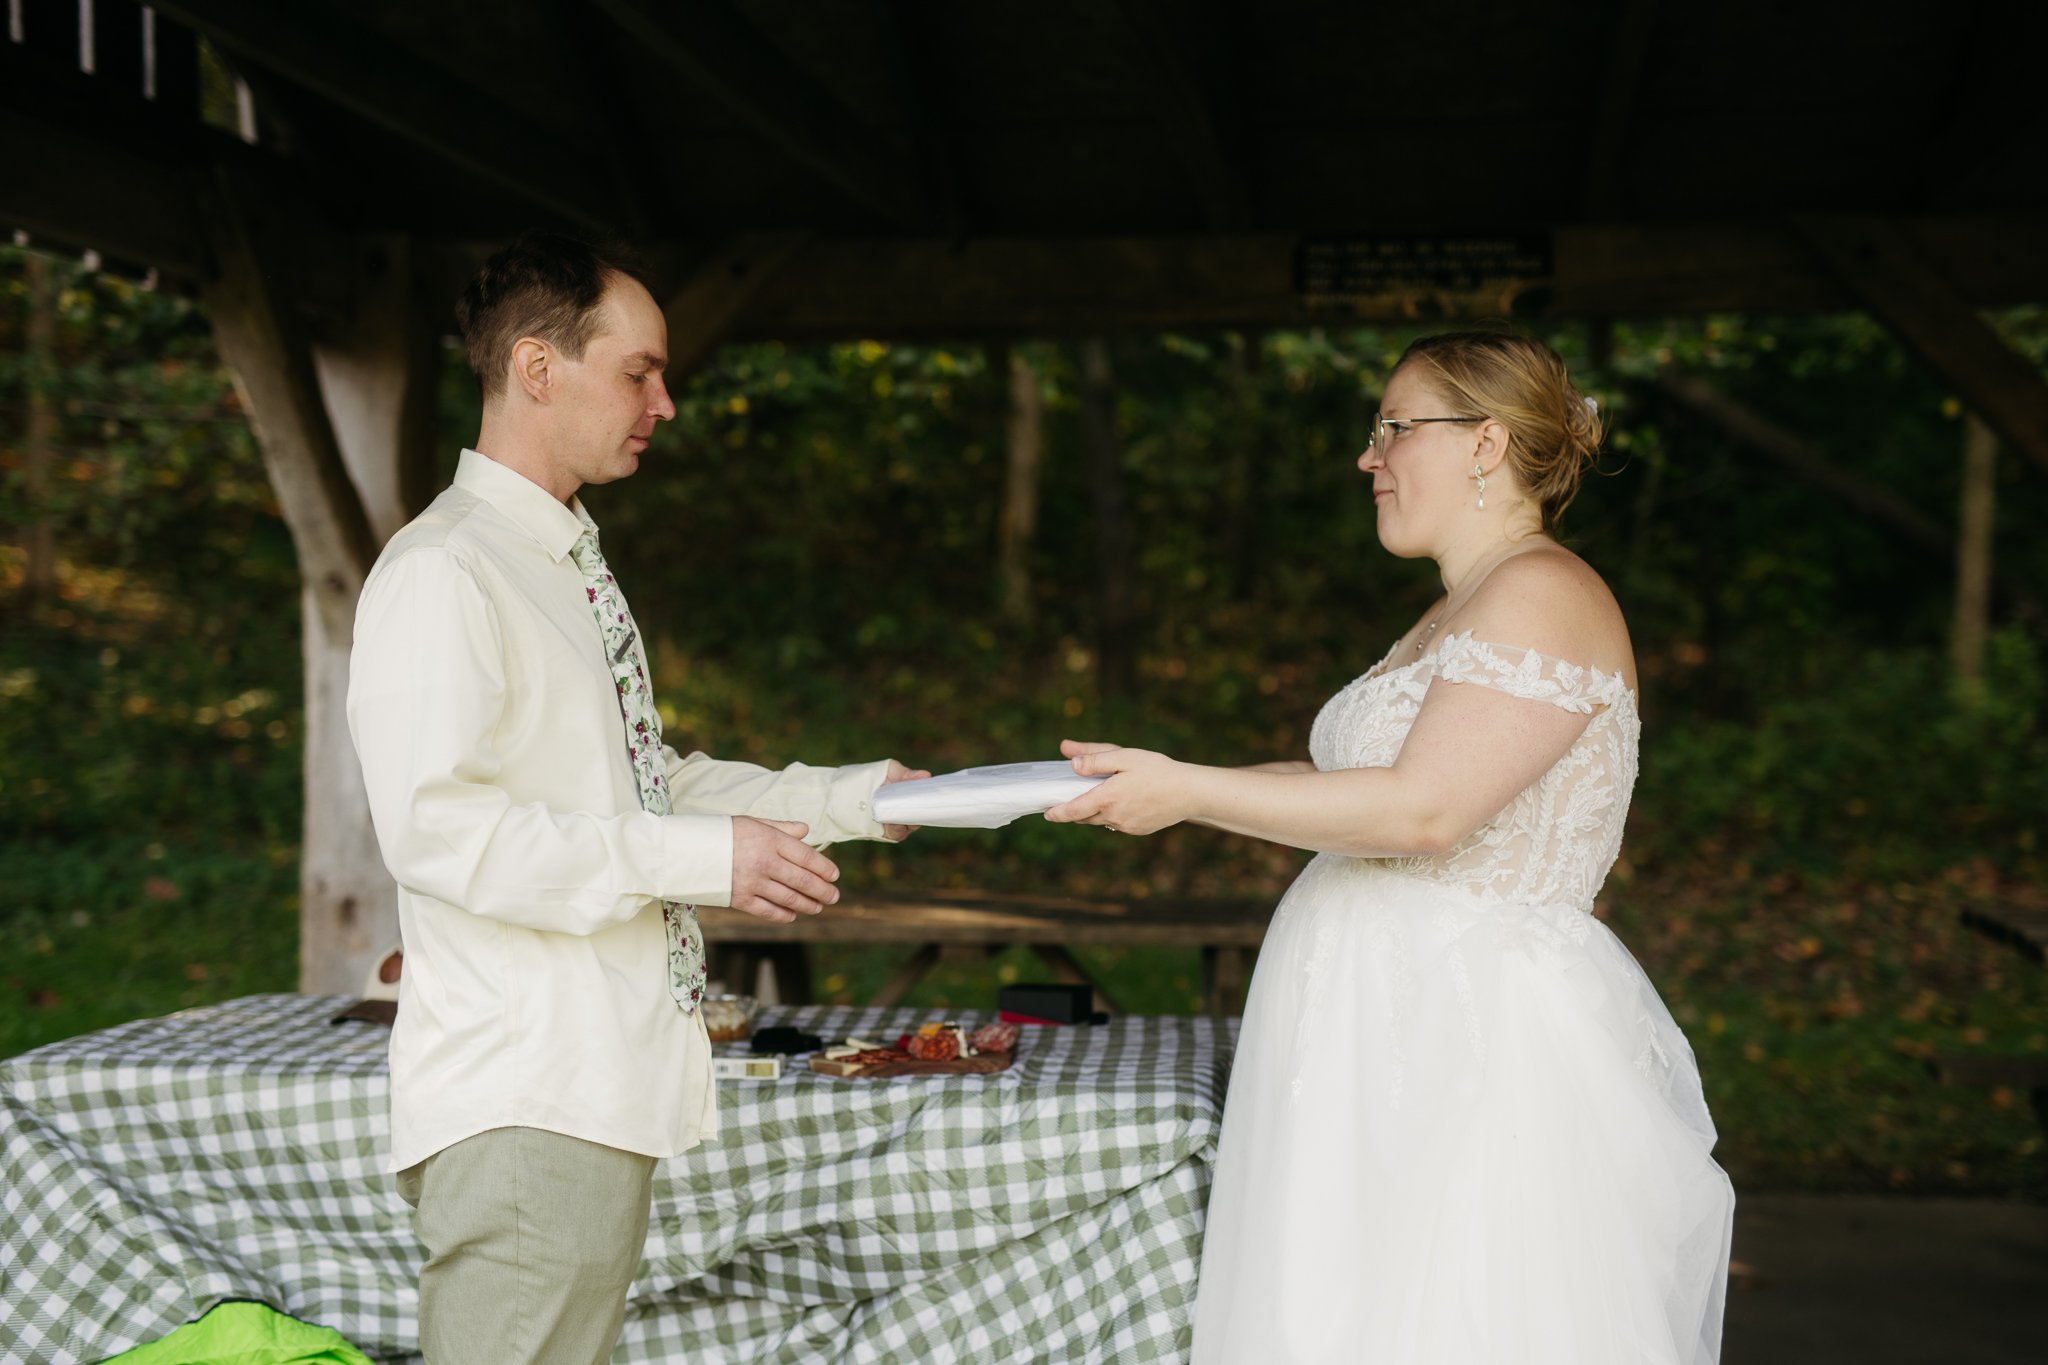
{"x": 1553, "y": 602}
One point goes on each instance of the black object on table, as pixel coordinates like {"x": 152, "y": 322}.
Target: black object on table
{"x": 1047, "y": 1002}
{"x": 785, "y": 1041}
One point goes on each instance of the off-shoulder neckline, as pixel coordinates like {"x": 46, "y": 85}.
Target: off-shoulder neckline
{"x": 1598, "y": 680}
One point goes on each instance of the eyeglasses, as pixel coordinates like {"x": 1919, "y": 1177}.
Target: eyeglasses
{"x": 1386, "y": 430}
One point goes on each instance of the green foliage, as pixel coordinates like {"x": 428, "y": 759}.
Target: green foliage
{"x": 98, "y": 933}
{"x": 1885, "y": 768}
{"x": 157, "y": 689}
{"x": 811, "y": 547}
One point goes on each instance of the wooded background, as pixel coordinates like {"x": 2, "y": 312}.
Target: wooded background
{"x": 961, "y": 553}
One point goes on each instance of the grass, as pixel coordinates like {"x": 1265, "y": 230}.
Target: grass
{"x": 98, "y": 935}
{"x": 1812, "y": 1003}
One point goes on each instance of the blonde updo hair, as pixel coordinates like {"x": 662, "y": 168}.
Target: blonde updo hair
{"x": 1554, "y": 430}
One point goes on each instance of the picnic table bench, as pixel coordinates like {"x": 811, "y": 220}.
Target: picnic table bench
{"x": 2024, "y": 929}
{"x": 939, "y": 924}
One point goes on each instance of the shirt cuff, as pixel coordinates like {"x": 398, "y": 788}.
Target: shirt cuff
{"x": 850, "y": 803}
{"x": 696, "y": 859}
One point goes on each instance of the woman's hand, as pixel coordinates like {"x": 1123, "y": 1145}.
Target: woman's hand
{"x": 1146, "y": 792}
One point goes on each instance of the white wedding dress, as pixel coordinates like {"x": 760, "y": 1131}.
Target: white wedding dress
{"x": 1462, "y": 1128}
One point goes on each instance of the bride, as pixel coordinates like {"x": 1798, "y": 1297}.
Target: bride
{"x": 1461, "y": 1127}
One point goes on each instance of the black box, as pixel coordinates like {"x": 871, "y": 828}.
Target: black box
{"x": 1045, "y": 1002}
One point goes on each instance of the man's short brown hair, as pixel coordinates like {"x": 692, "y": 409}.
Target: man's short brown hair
{"x": 547, "y": 285}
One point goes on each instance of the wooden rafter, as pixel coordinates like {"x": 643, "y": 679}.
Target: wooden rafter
{"x": 725, "y": 57}
{"x": 606, "y": 102}
{"x": 266, "y": 346}
{"x": 122, "y": 202}
{"x": 1939, "y": 322}
{"x": 357, "y": 68}
{"x": 1195, "y": 109}
{"x": 910, "y": 73}
{"x": 701, "y": 312}
{"x": 1631, "y": 45}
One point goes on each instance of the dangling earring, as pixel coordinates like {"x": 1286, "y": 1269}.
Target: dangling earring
{"x": 1480, "y": 475}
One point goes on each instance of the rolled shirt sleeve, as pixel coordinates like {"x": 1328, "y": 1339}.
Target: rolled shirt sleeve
{"x": 428, "y": 695}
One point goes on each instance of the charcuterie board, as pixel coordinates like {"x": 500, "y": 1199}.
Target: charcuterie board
{"x": 981, "y": 1064}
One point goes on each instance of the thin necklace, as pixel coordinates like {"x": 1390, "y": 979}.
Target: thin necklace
{"x": 1430, "y": 629}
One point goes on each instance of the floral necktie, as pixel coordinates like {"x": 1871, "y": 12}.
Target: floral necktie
{"x": 643, "y": 746}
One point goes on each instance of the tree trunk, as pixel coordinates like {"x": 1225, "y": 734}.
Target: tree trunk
{"x": 1114, "y": 645}
{"x": 40, "y": 436}
{"x": 1973, "y": 550}
{"x": 1247, "y": 467}
{"x": 1024, "y": 451}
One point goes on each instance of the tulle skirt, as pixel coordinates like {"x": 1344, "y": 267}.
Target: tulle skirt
{"x": 1458, "y": 1132}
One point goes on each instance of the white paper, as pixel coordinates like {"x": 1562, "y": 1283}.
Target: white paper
{"x": 981, "y": 798}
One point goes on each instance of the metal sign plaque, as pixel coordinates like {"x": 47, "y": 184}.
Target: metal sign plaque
{"x": 1356, "y": 269}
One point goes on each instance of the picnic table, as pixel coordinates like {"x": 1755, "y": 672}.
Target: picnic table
{"x": 2022, "y": 927}
{"x": 934, "y": 924}
{"x": 1052, "y": 1212}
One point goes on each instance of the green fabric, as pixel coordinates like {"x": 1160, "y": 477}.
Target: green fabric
{"x": 245, "y": 1334}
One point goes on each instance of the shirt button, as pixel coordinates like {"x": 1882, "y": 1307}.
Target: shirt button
{"x": 863, "y": 805}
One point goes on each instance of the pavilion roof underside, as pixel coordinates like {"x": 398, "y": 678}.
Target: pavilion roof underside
{"x": 682, "y": 123}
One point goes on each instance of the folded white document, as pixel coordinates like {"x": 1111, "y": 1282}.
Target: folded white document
{"x": 981, "y": 798}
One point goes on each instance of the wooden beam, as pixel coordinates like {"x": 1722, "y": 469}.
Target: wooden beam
{"x": 607, "y": 101}
{"x": 845, "y": 288}
{"x": 725, "y": 57}
{"x": 911, "y": 72}
{"x": 985, "y": 918}
{"x": 122, "y": 202}
{"x": 1184, "y": 59}
{"x": 348, "y": 903}
{"x": 1026, "y": 287}
{"x": 362, "y": 70}
{"x": 1638, "y": 270}
{"x": 1759, "y": 433}
{"x": 1894, "y": 278}
{"x": 1631, "y": 45}
{"x": 718, "y": 291}
{"x": 266, "y": 346}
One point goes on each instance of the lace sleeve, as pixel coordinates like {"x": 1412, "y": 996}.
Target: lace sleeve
{"x": 1535, "y": 677}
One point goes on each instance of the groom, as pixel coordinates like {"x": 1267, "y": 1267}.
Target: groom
{"x": 549, "y": 848}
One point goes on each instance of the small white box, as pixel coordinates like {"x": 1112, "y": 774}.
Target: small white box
{"x": 746, "y": 1068}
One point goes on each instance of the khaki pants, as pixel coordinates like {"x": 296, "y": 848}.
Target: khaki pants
{"x": 532, "y": 1240}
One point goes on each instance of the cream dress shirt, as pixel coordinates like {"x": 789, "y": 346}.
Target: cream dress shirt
{"x": 535, "y": 991}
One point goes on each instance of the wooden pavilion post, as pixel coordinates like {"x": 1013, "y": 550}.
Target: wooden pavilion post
{"x": 322, "y": 449}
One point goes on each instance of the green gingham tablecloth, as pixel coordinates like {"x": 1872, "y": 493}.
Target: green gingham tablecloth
{"x": 1050, "y": 1213}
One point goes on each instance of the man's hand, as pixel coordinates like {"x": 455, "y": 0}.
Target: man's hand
{"x": 898, "y": 773}
{"x": 775, "y": 875}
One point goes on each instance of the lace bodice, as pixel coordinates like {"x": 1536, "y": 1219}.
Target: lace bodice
{"x": 1553, "y": 843}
